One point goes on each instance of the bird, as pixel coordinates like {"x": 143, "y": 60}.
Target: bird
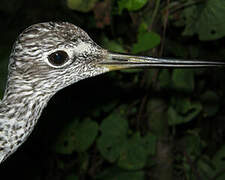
{"x": 47, "y": 57}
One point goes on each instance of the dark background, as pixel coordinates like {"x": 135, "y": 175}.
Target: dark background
{"x": 181, "y": 110}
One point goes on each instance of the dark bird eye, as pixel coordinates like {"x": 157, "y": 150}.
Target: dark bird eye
{"x": 58, "y": 58}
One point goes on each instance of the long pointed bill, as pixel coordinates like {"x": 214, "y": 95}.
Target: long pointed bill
{"x": 115, "y": 61}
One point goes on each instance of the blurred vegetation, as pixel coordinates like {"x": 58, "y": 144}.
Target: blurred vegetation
{"x": 133, "y": 124}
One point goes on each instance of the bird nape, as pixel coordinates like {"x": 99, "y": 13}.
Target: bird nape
{"x": 47, "y": 57}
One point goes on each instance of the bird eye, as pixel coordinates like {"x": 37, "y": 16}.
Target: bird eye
{"x": 58, "y": 58}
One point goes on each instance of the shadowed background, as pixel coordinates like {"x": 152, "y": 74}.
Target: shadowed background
{"x": 133, "y": 124}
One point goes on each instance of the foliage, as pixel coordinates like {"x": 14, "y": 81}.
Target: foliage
{"x": 205, "y": 19}
{"x": 131, "y": 5}
{"x": 183, "y": 80}
{"x": 74, "y": 137}
{"x": 82, "y": 6}
{"x": 182, "y": 111}
{"x": 133, "y": 124}
{"x": 146, "y": 41}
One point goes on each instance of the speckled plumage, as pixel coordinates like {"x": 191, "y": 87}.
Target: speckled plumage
{"x": 32, "y": 80}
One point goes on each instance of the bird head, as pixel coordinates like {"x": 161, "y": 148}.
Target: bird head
{"x": 50, "y": 56}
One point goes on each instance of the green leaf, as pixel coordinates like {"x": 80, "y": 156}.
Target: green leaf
{"x": 205, "y": 19}
{"x": 85, "y": 135}
{"x": 219, "y": 162}
{"x": 183, "y": 80}
{"x": 133, "y": 155}
{"x": 131, "y": 5}
{"x": 193, "y": 144}
{"x": 112, "y": 45}
{"x": 143, "y": 27}
{"x": 81, "y": 5}
{"x": 164, "y": 78}
{"x": 114, "y": 144}
{"x": 207, "y": 172}
{"x": 149, "y": 143}
{"x": 114, "y": 130}
{"x": 174, "y": 118}
{"x": 183, "y": 111}
{"x": 203, "y": 166}
{"x": 194, "y": 147}
{"x": 146, "y": 41}
{"x": 77, "y": 137}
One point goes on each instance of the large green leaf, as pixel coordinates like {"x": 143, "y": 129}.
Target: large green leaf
{"x": 208, "y": 169}
{"x": 194, "y": 144}
{"x": 205, "y": 168}
{"x": 146, "y": 41}
{"x": 149, "y": 143}
{"x": 114, "y": 130}
{"x": 164, "y": 78}
{"x": 77, "y": 137}
{"x": 183, "y": 80}
{"x": 219, "y": 162}
{"x": 182, "y": 111}
{"x": 135, "y": 151}
{"x": 115, "y": 145}
{"x": 131, "y": 5}
{"x": 205, "y": 19}
{"x": 113, "y": 45}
